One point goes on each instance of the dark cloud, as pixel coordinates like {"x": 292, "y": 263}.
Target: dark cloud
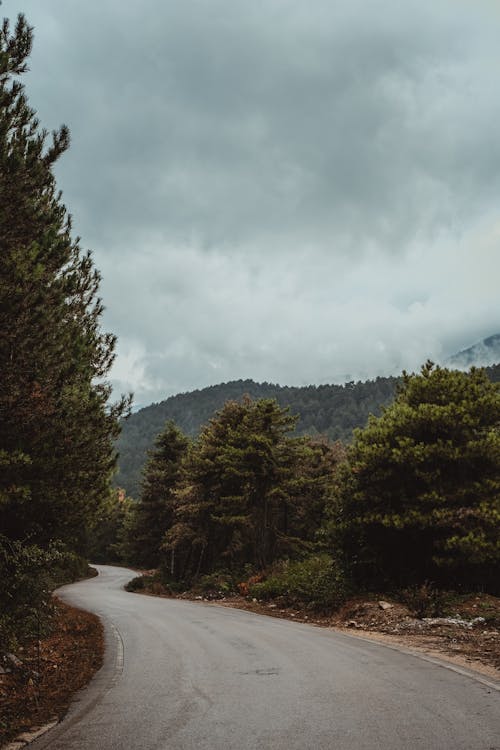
{"x": 280, "y": 191}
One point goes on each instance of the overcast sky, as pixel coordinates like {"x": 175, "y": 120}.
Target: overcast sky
{"x": 278, "y": 190}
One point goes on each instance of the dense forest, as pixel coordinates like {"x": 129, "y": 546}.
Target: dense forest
{"x": 329, "y": 410}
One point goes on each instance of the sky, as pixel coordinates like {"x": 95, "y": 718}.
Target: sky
{"x": 286, "y": 191}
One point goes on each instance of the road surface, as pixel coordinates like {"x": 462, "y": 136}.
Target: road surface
{"x": 182, "y": 675}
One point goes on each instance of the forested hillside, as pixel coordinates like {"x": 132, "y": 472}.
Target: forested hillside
{"x": 331, "y": 410}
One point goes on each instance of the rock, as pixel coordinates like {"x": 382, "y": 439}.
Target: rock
{"x": 385, "y": 605}
{"x": 352, "y": 624}
{"x": 272, "y": 606}
{"x": 14, "y": 661}
{"x": 435, "y": 622}
{"x": 35, "y": 733}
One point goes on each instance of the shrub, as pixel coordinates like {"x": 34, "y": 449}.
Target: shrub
{"x": 317, "y": 582}
{"x": 28, "y": 575}
{"x": 425, "y": 600}
{"x": 220, "y": 581}
{"x": 136, "y": 584}
{"x": 25, "y": 592}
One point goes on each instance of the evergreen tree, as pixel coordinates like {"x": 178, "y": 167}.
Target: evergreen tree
{"x": 57, "y": 430}
{"x": 420, "y": 496}
{"x": 250, "y": 492}
{"x": 154, "y": 514}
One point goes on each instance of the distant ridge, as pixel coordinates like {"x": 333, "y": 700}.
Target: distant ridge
{"x": 484, "y": 353}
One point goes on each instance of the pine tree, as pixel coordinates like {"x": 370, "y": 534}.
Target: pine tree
{"x": 420, "y": 496}
{"x": 249, "y": 492}
{"x": 154, "y": 514}
{"x": 57, "y": 430}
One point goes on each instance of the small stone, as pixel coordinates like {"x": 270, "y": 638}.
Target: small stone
{"x": 35, "y": 733}
{"x": 272, "y": 606}
{"x": 14, "y": 661}
{"x": 385, "y": 605}
{"x": 352, "y": 624}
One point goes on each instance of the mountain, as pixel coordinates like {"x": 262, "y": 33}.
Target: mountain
{"x": 330, "y": 410}
{"x": 482, "y": 354}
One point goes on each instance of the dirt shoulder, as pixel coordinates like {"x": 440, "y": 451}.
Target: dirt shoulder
{"x": 38, "y": 689}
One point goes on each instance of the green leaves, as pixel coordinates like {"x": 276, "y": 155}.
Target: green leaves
{"x": 54, "y": 405}
{"x": 420, "y": 496}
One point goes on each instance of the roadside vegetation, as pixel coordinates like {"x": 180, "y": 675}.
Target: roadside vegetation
{"x": 58, "y": 428}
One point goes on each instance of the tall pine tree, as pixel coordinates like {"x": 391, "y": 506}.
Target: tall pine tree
{"x": 57, "y": 430}
{"x": 154, "y": 514}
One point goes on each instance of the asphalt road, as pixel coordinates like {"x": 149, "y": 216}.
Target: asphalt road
{"x": 181, "y": 675}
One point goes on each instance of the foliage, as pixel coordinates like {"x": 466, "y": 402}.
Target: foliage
{"x": 419, "y": 498}
{"x": 216, "y": 584}
{"x": 249, "y": 493}
{"x": 329, "y": 410}
{"x": 136, "y": 584}
{"x": 152, "y": 583}
{"x": 108, "y": 529}
{"x": 333, "y": 411}
{"x": 28, "y": 575}
{"x": 154, "y": 514}
{"x": 317, "y": 581}
{"x": 58, "y": 432}
{"x": 425, "y": 600}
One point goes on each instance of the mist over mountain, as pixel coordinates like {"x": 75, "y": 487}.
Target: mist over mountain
{"x": 482, "y": 354}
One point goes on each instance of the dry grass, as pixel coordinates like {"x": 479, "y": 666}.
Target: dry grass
{"x": 53, "y": 670}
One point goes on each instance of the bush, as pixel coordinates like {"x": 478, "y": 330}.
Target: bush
{"x": 317, "y": 582}
{"x": 68, "y": 567}
{"x": 28, "y": 575}
{"x": 137, "y": 584}
{"x": 153, "y": 584}
{"x": 217, "y": 584}
{"x": 425, "y": 600}
{"x": 25, "y": 592}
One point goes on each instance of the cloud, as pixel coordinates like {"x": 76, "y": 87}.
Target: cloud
{"x": 273, "y": 190}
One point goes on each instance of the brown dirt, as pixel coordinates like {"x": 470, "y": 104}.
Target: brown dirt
{"x": 52, "y": 670}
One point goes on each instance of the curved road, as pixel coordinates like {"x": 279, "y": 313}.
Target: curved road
{"x": 180, "y": 675}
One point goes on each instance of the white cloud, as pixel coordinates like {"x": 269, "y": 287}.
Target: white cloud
{"x": 288, "y": 192}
